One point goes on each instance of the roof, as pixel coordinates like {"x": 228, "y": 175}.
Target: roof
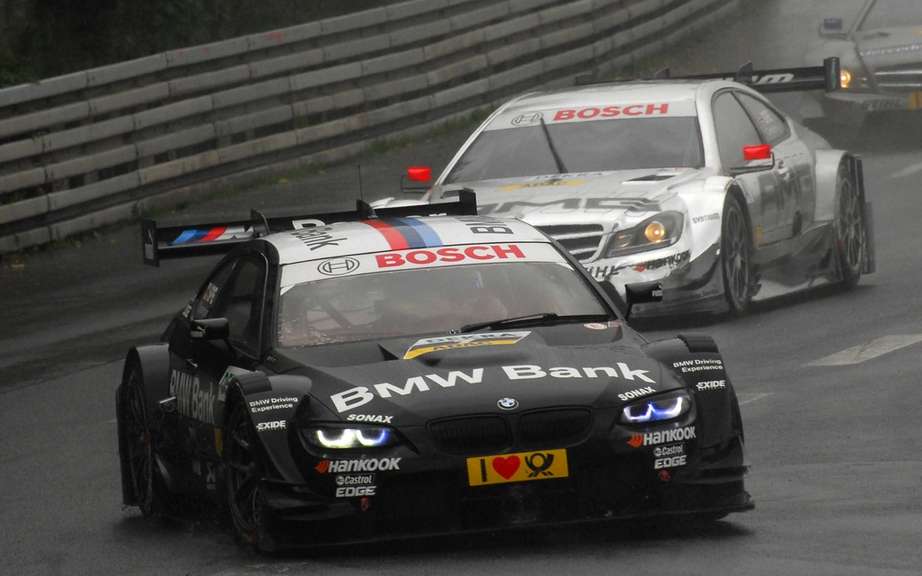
{"x": 601, "y": 102}
{"x": 390, "y": 234}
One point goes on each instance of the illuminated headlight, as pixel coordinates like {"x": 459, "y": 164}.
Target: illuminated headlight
{"x": 660, "y": 231}
{"x": 845, "y": 77}
{"x": 656, "y": 409}
{"x": 333, "y": 438}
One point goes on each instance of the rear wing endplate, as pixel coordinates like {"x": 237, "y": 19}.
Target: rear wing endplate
{"x": 826, "y": 77}
{"x": 179, "y": 241}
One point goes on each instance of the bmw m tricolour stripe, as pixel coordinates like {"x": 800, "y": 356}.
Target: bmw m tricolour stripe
{"x": 406, "y": 233}
{"x": 214, "y": 234}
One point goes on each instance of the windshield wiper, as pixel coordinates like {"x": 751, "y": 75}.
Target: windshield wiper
{"x": 550, "y": 144}
{"x": 544, "y": 318}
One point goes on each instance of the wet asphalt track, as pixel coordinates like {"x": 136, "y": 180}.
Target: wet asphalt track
{"x": 835, "y": 450}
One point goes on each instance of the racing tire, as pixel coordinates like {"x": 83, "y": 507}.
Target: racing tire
{"x": 850, "y": 231}
{"x": 736, "y": 257}
{"x": 136, "y": 445}
{"x": 244, "y": 469}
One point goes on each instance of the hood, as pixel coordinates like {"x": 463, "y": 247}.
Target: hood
{"x": 453, "y": 378}
{"x": 608, "y": 195}
{"x": 889, "y": 47}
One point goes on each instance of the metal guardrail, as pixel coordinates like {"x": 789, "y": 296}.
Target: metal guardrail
{"x": 99, "y": 146}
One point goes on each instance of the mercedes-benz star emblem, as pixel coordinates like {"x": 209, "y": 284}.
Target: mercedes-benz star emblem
{"x": 338, "y": 267}
{"x": 507, "y": 403}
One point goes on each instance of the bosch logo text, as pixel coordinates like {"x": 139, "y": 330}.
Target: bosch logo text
{"x": 451, "y": 254}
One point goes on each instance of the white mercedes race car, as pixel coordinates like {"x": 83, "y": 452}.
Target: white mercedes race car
{"x": 881, "y": 56}
{"x": 701, "y": 184}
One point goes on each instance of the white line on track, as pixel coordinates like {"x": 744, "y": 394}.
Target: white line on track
{"x": 907, "y": 171}
{"x": 750, "y": 398}
{"x": 869, "y": 350}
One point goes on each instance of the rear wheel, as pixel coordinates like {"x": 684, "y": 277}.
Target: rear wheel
{"x": 849, "y": 228}
{"x": 244, "y": 470}
{"x": 736, "y": 257}
{"x": 137, "y": 446}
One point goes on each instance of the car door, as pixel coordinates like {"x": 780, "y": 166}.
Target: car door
{"x": 735, "y": 130}
{"x": 793, "y": 164}
{"x": 188, "y": 384}
{"x": 235, "y": 291}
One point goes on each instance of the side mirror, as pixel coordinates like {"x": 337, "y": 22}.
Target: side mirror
{"x": 210, "y": 329}
{"x": 642, "y": 293}
{"x": 758, "y": 157}
{"x": 832, "y": 28}
{"x": 417, "y": 180}
{"x": 757, "y": 152}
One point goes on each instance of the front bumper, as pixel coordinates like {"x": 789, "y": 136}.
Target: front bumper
{"x": 689, "y": 285}
{"x": 608, "y": 479}
{"x": 844, "y": 104}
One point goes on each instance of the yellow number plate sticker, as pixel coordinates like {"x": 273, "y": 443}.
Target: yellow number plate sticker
{"x": 519, "y": 467}
{"x": 915, "y": 101}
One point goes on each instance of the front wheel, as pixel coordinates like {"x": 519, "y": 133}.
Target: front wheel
{"x": 851, "y": 235}
{"x": 736, "y": 257}
{"x": 244, "y": 471}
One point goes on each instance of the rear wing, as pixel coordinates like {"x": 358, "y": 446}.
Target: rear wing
{"x": 826, "y": 77}
{"x": 180, "y": 241}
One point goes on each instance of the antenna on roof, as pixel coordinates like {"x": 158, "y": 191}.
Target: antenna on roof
{"x": 361, "y": 192}
{"x": 745, "y": 73}
{"x": 260, "y": 223}
{"x": 366, "y": 212}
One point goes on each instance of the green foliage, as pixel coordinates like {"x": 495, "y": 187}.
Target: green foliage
{"x": 53, "y": 37}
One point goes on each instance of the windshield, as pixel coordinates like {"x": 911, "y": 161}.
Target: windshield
{"x": 597, "y": 146}
{"x": 429, "y": 300}
{"x": 893, "y": 14}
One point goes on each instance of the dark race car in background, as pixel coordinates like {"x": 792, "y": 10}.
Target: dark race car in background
{"x": 357, "y": 376}
{"x": 701, "y": 183}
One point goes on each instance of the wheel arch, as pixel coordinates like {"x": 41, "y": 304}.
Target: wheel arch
{"x": 695, "y": 359}
{"x": 734, "y": 190}
{"x": 267, "y": 400}
{"x": 827, "y": 174}
{"x": 154, "y": 365}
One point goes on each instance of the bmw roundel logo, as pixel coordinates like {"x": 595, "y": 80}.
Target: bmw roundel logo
{"x": 507, "y": 403}
{"x": 338, "y": 266}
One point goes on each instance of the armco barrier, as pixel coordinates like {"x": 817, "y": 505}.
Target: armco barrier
{"x": 99, "y": 146}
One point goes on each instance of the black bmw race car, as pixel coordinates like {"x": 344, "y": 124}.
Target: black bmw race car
{"x": 411, "y": 371}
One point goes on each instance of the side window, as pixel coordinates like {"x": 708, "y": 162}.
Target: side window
{"x": 241, "y": 302}
{"x": 210, "y": 293}
{"x": 734, "y": 130}
{"x": 772, "y": 126}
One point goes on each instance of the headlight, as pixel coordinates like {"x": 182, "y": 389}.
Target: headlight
{"x": 845, "y": 77}
{"x": 662, "y": 230}
{"x": 334, "y": 438}
{"x": 656, "y": 409}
